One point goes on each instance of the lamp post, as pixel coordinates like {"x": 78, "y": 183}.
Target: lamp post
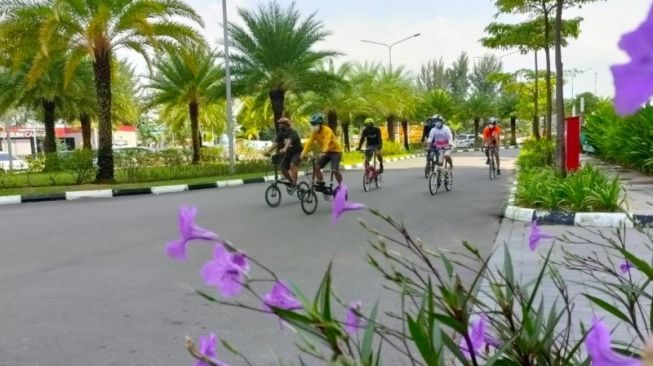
{"x": 230, "y": 118}
{"x": 389, "y": 46}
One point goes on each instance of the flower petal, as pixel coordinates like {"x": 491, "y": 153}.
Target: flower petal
{"x": 639, "y": 43}
{"x": 341, "y": 205}
{"x": 633, "y": 84}
{"x": 176, "y": 249}
{"x": 281, "y": 297}
{"x": 598, "y": 342}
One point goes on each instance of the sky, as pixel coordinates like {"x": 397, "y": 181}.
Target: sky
{"x": 449, "y": 27}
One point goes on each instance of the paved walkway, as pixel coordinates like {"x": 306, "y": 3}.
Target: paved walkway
{"x": 638, "y": 187}
{"x": 526, "y": 265}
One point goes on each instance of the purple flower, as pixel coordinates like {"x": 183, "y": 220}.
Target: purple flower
{"x": 353, "y": 320}
{"x": 634, "y": 80}
{"x": 536, "y": 235}
{"x": 207, "y": 345}
{"x": 478, "y": 337}
{"x": 625, "y": 266}
{"x": 188, "y": 231}
{"x": 281, "y": 297}
{"x": 341, "y": 205}
{"x": 598, "y": 342}
{"x": 226, "y": 271}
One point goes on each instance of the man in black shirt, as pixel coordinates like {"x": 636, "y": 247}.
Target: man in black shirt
{"x": 374, "y": 142}
{"x": 428, "y": 125}
{"x": 289, "y": 146}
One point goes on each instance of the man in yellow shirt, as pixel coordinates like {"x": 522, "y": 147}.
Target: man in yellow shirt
{"x": 330, "y": 149}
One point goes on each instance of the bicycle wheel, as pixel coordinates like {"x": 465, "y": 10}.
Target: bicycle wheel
{"x": 434, "y": 182}
{"x": 367, "y": 181}
{"x": 448, "y": 180}
{"x": 309, "y": 202}
{"x": 302, "y": 188}
{"x": 427, "y": 170}
{"x": 493, "y": 169}
{"x": 378, "y": 180}
{"x": 273, "y": 195}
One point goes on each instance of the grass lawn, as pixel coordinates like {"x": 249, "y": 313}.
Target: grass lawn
{"x": 42, "y": 188}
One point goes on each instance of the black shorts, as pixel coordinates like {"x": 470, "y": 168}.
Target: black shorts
{"x": 332, "y": 157}
{"x": 290, "y": 159}
{"x": 369, "y": 151}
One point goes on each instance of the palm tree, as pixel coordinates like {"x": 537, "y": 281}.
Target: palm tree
{"x": 477, "y": 107}
{"x": 274, "y": 54}
{"x": 185, "y": 78}
{"x": 98, "y": 28}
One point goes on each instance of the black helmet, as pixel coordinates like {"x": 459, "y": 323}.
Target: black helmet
{"x": 317, "y": 119}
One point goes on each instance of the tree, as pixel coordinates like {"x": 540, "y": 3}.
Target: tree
{"x": 432, "y": 75}
{"x": 274, "y": 54}
{"x": 458, "y": 77}
{"x": 98, "y": 28}
{"x": 528, "y": 36}
{"x": 477, "y": 107}
{"x": 437, "y": 102}
{"x": 185, "y": 78}
{"x": 481, "y": 78}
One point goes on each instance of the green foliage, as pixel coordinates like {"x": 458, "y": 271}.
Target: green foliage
{"x": 586, "y": 190}
{"x": 627, "y": 141}
{"x": 79, "y": 164}
{"x": 536, "y": 154}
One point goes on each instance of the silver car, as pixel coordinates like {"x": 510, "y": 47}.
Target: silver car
{"x": 18, "y": 163}
{"x": 464, "y": 141}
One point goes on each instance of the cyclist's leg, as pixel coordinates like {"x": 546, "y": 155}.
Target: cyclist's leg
{"x": 285, "y": 167}
{"x": 379, "y": 157}
{"x": 447, "y": 158}
{"x": 496, "y": 157}
{"x": 368, "y": 157}
{"x": 294, "y": 167}
{"x": 335, "y": 158}
{"x": 317, "y": 168}
{"x": 487, "y": 154}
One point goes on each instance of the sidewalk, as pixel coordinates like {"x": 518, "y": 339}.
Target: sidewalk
{"x": 638, "y": 187}
{"x": 527, "y": 264}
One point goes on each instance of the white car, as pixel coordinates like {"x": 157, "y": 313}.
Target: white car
{"x": 19, "y": 164}
{"x": 463, "y": 141}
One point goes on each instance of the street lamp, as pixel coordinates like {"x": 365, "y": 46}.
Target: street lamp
{"x": 389, "y": 46}
{"x": 230, "y": 118}
{"x": 499, "y": 57}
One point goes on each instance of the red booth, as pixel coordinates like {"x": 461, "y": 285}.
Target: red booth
{"x": 572, "y": 143}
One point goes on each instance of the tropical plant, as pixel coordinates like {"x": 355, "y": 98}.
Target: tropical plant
{"x": 432, "y": 75}
{"x": 274, "y": 54}
{"x": 185, "y": 77}
{"x": 482, "y": 78}
{"x": 98, "y": 28}
{"x": 458, "y": 77}
{"x": 479, "y": 106}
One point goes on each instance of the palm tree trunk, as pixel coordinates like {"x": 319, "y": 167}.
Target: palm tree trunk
{"x": 549, "y": 88}
{"x": 560, "y": 102}
{"x": 391, "y": 128}
{"x": 50, "y": 142}
{"x": 477, "y": 127}
{"x": 193, "y": 111}
{"x": 85, "y": 121}
{"x": 345, "y": 134}
{"x": 277, "y": 97}
{"x": 513, "y": 132}
{"x": 536, "y": 105}
{"x": 102, "y": 71}
{"x": 332, "y": 119}
{"x": 404, "y": 127}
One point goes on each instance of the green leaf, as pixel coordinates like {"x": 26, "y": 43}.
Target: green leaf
{"x": 608, "y": 307}
{"x": 452, "y": 323}
{"x": 455, "y": 349}
{"x": 368, "y": 336}
{"x": 421, "y": 340}
{"x": 508, "y": 273}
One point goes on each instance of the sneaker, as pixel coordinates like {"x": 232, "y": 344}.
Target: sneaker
{"x": 498, "y": 171}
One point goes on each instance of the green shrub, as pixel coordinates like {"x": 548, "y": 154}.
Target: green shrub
{"x": 212, "y": 154}
{"x": 587, "y": 189}
{"x": 79, "y": 164}
{"x": 536, "y": 153}
{"x": 627, "y": 141}
{"x": 393, "y": 148}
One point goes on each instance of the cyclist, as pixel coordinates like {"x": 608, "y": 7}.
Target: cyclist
{"x": 374, "y": 142}
{"x": 289, "y": 146}
{"x": 428, "y": 125}
{"x": 440, "y": 138}
{"x": 492, "y": 139}
{"x": 330, "y": 149}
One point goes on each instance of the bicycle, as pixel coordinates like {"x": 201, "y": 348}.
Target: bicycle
{"x": 439, "y": 175}
{"x": 428, "y": 168}
{"x": 371, "y": 173}
{"x": 273, "y": 192}
{"x": 309, "y": 193}
{"x": 493, "y": 162}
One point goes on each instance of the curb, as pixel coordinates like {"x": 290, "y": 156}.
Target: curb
{"x": 583, "y": 219}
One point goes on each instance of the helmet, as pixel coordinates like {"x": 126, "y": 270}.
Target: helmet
{"x": 317, "y": 119}
{"x": 369, "y": 121}
{"x": 493, "y": 120}
{"x": 284, "y": 120}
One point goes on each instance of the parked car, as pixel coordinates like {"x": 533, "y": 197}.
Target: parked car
{"x": 464, "y": 140}
{"x": 18, "y": 163}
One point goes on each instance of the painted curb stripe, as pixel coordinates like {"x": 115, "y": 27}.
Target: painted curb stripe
{"x": 10, "y": 200}
{"x": 253, "y": 180}
{"x": 44, "y": 198}
{"x": 131, "y": 191}
{"x": 75, "y": 195}
{"x": 194, "y": 187}
{"x": 169, "y": 189}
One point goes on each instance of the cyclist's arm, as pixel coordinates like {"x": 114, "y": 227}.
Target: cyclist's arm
{"x": 449, "y": 135}
{"x": 380, "y": 138}
{"x": 424, "y": 135}
{"x": 431, "y": 136}
{"x": 331, "y": 136}
{"x": 363, "y": 137}
{"x": 307, "y": 145}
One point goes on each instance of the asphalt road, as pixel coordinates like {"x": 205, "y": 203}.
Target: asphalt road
{"x": 87, "y": 282}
